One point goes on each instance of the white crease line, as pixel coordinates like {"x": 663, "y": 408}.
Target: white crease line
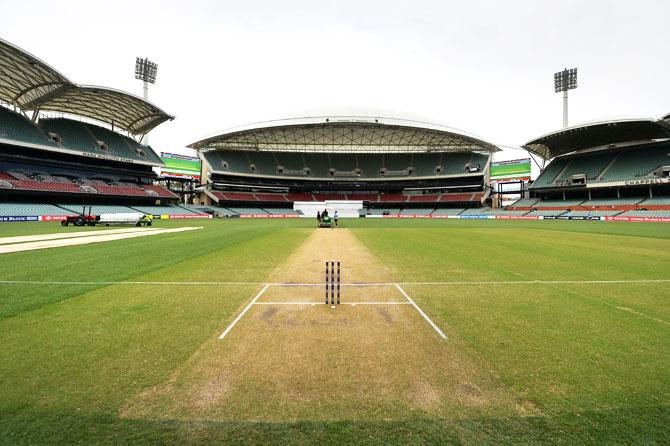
{"x": 355, "y": 284}
{"x": 323, "y": 303}
{"x": 425, "y": 316}
{"x": 232, "y": 324}
{"x": 277, "y": 284}
{"x": 537, "y": 282}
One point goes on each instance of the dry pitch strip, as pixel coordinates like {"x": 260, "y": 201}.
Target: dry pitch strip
{"x": 333, "y": 296}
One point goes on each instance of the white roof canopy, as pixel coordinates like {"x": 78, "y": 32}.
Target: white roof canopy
{"x": 345, "y": 134}
{"x": 32, "y": 85}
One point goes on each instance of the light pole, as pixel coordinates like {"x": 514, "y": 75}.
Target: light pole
{"x": 146, "y": 70}
{"x": 563, "y": 81}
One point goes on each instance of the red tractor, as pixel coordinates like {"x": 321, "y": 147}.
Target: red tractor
{"x": 82, "y": 219}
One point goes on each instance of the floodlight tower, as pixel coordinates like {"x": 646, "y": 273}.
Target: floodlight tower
{"x": 146, "y": 70}
{"x": 563, "y": 81}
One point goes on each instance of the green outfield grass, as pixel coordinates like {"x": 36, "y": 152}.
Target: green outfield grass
{"x": 583, "y": 363}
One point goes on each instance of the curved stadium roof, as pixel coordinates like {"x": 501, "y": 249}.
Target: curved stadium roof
{"x": 598, "y": 135}
{"x": 33, "y": 85}
{"x": 344, "y": 134}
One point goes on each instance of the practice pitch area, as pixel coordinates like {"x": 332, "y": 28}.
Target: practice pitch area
{"x": 446, "y": 331}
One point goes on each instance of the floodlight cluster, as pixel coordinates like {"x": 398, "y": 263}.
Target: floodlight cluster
{"x": 565, "y": 80}
{"x": 145, "y": 70}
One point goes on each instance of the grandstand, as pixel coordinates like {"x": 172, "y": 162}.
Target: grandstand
{"x": 605, "y": 168}
{"x": 82, "y": 144}
{"x": 386, "y": 163}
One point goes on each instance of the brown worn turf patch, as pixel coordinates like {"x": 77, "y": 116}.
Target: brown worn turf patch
{"x": 310, "y": 362}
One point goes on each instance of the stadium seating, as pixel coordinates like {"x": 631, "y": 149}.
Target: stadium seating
{"x": 369, "y": 163}
{"x": 281, "y": 211}
{"x": 550, "y": 172}
{"x": 563, "y": 204}
{"x": 326, "y": 165}
{"x": 656, "y": 201}
{"x": 524, "y": 202}
{"x": 422, "y": 211}
{"x": 244, "y": 210}
{"x": 29, "y": 209}
{"x": 393, "y": 197}
{"x": 476, "y": 211}
{"x": 658, "y": 213}
{"x": 371, "y": 197}
{"x": 423, "y": 198}
{"x": 325, "y": 196}
{"x": 96, "y": 209}
{"x": 504, "y": 212}
{"x": 299, "y": 197}
{"x": 590, "y": 166}
{"x": 637, "y": 164}
{"x": 73, "y": 134}
{"x": 165, "y": 210}
{"x": 592, "y": 213}
{"x": 456, "y": 197}
{"x": 262, "y": 163}
{"x": 390, "y": 211}
{"x": 612, "y": 202}
{"x": 363, "y": 197}
{"x": 159, "y": 191}
{"x": 80, "y": 136}
{"x": 19, "y": 128}
{"x": 447, "y": 211}
{"x": 270, "y": 197}
{"x": 547, "y": 213}
{"x": 609, "y": 166}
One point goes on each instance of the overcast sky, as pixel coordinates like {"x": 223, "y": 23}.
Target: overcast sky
{"x": 485, "y": 67}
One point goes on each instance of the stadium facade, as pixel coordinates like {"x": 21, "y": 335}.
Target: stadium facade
{"x": 386, "y": 163}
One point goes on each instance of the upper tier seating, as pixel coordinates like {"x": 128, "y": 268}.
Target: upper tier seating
{"x": 270, "y": 197}
{"x": 425, "y": 197}
{"x": 457, "y": 197}
{"x": 19, "y": 128}
{"x": 590, "y": 166}
{"x": 82, "y": 136}
{"x": 637, "y": 164}
{"x": 299, "y": 197}
{"x": 604, "y": 167}
{"x": 330, "y": 165}
{"x": 393, "y": 197}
